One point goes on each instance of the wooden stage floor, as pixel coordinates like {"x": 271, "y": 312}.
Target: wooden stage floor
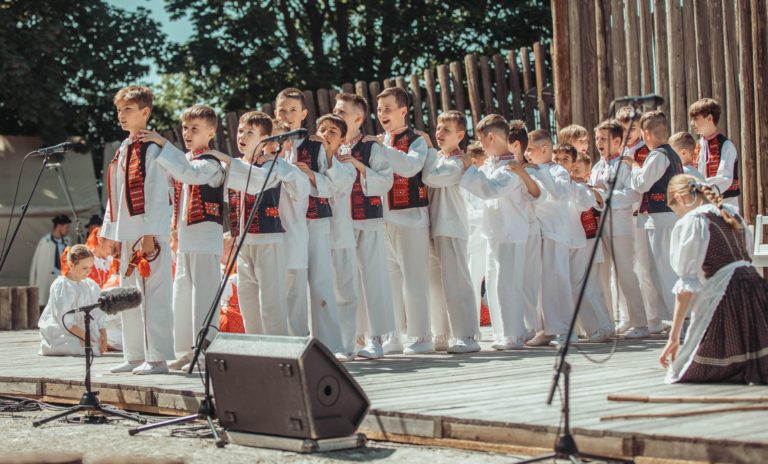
{"x": 489, "y": 400}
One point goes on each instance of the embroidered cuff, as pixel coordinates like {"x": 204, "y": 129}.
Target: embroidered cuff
{"x": 690, "y": 284}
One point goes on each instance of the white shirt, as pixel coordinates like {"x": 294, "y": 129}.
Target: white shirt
{"x": 406, "y": 165}
{"x": 376, "y": 183}
{"x": 725, "y": 170}
{"x": 505, "y": 214}
{"x": 692, "y": 171}
{"x": 66, "y": 295}
{"x": 557, "y": 183}
{"x": 342, "y": 177}
{"x": 624, "y": 197}
{"x": 447, "y": 208}
{"x": 630, "y": 151}
{"x": 206, "y": 236}
{"x": 642, "y": 180}
{"x": 158, "y": 209}
{"x": 324, "y": 182}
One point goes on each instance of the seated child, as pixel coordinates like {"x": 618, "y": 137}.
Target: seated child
{"x": 684, "y": 144}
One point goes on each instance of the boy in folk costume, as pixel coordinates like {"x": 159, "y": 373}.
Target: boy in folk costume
{"x": 452, "y": 300}
{"x": 375, "y": 316}
{"x": 577, "y": 137}
{"x": 505, "y": 225}
{"x": 310, "y": 157}
{"x": 620, "y": 229}
{"x": 715, "y": 156}
{"x": 407, "y": 224}
{"x": 684, "y": 145}
{"x": 198, "y": 220}
{"x": 556, "y": 303}
{"x": 138, "y": 215}
{"x": 584, "y": 211}
{"x": 656, "y": 218}
{"x": 333, "y": 131}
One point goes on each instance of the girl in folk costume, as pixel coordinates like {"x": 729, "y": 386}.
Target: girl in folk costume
{"x": 452, "y": 300}
{"x": 61, "y": 333}
{"x": 230, "y": 317}
{"x": 715, "y": 156}
{"x": 375, "y": 317}
{"x": 138, "y": 215}
{"x": 198, "y": 220}
{"x": 727, "y": 340}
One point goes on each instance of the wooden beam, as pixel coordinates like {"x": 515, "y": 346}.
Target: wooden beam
{"x": 33, "y": 307}
{"x": 646, "y": 47}
{"x": 541, "y": 82}
{"x": 717, "y": 57}
{"x": 445, "y": 87}
{"x": 677, "y": 107}
{"x": 375, "y": 89}
{"x": 661, "y": 74}
{"x": 485, "y": 78}
{"x": 502, "y": 92}
{"x": 323, "y": 102}
{"x": 232, "y": 122}
{"x": 458, "y": 86}
{"x": 429, "y": 85}
{"x": 575, "y": 62}
{"x": 690, "y": 55}
{"x": 701, "y": 29}
{"x": 400, "y": 82}
{"x": 473, "y": 87}
{"x": 311, "y": 119}
{"x": 6, "y": 315}
{"x": 604, "y": 57}
{"x": 760, "y": 64}
{"x": 418, "y": 105}
{"x": 361, "y": 88}
{"x": 730, "y": 47}
{"x": 561, "y": 64}
{"x": 514, "y": 86}
{"x": 618, "y": 49}
{"x": 633, "y": 47}
{"x": 747, "y": 154}
{"x": 589, "y": 56}
{"x": 528, "y": 88}
{"x": 389, "y": 83}
{"x": 348, "y": 87}
{"x": 19, "y": 308}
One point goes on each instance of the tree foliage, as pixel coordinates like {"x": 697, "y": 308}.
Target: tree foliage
{"x": 242, "y": 52}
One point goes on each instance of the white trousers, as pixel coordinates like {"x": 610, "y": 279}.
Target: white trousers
{"x": 451, "y": 300}
{"x": 476, "y": 258}
{"x": 655, "y": 273}
{"x": 504, "y": 285}
{"x": 347, "y": 288}
{"x": 532, "y": 283}
{"x": 627, "y": 283}
{"x": 197, "y": 280}
{"x": 556, "y": 293}
{"x": 323, "y": 312}
{"x": 593, "y": 314}
{"x": 409, "y": 275}
{"x": 375, "y": 310}
{"x": 298, "y": 302}
{"x": 148, "y": 329}
{"x": 261, "y": 289}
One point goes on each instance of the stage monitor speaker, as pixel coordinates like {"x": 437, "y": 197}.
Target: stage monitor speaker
{"x": 283, "y": 386}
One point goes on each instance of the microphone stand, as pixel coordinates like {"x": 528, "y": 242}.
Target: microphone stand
{"x": 207, "y": 409}
{"x": 565, "y": 446}
{"x": 89, "y": 402}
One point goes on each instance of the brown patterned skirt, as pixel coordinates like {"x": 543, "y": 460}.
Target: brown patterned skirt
{"x": 735, "y": 345}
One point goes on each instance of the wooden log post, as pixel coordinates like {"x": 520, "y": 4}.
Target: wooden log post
{"x": 6, "y": 314}
{"x": 747, "y": 153}
{"x": 529, "y": 92}
{"x": 332, "y": 93}
{"x": 347, "y": 87}
{"x": 604, "y": 57}
{"x": 323, "y": 102}
{"x": 361, "y": 88}
{"x": 560, "y": 63}
{"x": 429, "y": 85}
{"x": 33, "y": 307}
{"x": 221, "y": 141}
{"x": 444, "y": 79}
{"x": 677, "y": 106}
{"x": 389, "y": 83}
{"x": 418, "y": 104}
{"x": 514, "y": 86}
{"x": 589, "y": 71}
{"x": 576, "y": 64}
{"x": 268, "y": 108}
{"x": 618, "y": 49}
{"x": 485, "y": 78}
{"x": 759, "y": 65}
{"x": 701, "y": 29}
{"x": 541, "y": 82}
{"x": 730, "y": 47}
{"x": 473, "y": 87}
{"x": 660, "y": 40}
{"x": 646, "y": 47}
{"x": 502, "y": 92}
{"x": 375, "y": 89}
{"x": 232, "y": 121}
{"x": 19, "y": 308}
{"x": 311, "y": 120}
{"x": 458, "y": 86}
{"x": 633, "y": 47}
{"x": 690, "y": 55}
{"x": 400, "y": 82}
{"x": 717, "y": 56}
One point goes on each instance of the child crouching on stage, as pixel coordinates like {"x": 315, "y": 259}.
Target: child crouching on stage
{"x": 230, "y": 317}
{"x": 62, "y": 334}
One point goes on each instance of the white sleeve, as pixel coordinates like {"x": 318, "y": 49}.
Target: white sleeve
{"x": 653, "y": 169}
{"x": 196, "y": 172}
{"x": 240, "y": 171}
{"x": 561, "y": 181}
{"x": 295, "y": 182}
{"x": 582, "y": 197}
{"x": 342, "y": 177}
{"x": 501, "y": 183}
{"x": 323, "y": 187}
{"x": 724, "y": 177}
{"x": 440, "y": 171}
{"x": 407, "y": 164}
{"x": 624, "y": 196}
{"x": 688, "y": 247}
{"x": 378, "y": 176}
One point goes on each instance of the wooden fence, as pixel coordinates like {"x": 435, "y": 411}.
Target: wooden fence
{"x": 682, "y": 50}
{"x": 515, "y": 85}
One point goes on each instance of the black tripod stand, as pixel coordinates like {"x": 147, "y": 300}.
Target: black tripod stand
{"x": 89, "y": 403}
{"x": 565, "y": 447}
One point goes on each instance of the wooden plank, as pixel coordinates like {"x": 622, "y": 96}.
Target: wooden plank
{"x": 6, "y": 313}
{"x": 560, "y": 64}
{"x": 514, "y": 86}
{"x": 347, "y": 87}
{"x": 400, "y": 82}
{"x": 311, "y": 120}
{"x": 661, "y": 74}
{"x": 389, "y": 83}
{"x": 361, "y": 88}
{"x": 485, "y": 78}
{"x": 418, "y": 104}
{"x": 646, "y": 47}
{"x": 323, "y": 102}
{"x": 375, "y": 89}
{"x": 473, "y": 87}
{"x": 541, "y": 82}
{"x": 576, "y": 64}
{"x": 589, "y": 70}
{"x": 747, "y": 153}
{"x": 676, "y": 61}
{"x": 18, "y": 308}
{"x": 268, "y": 108}
{"x": 717, "y": 57}
{"x": 445, "y": 87}
{"x": 632, "y": 34}
{"x": 760, "y": 64}
{"x": 500, "y": 80}
{"x": 457, "y": 79}
{"x": 332, "y": 95}
{"x": 604, "y": 57}
{"x": 232, "y": 122}
{"x": 618, "y": 49}
{"x": 701, "y": 29}
{"x": 730, "y": 47}
{"x": 221, "y": 142}
{"x": 690, "y": 55}
{"x": 429, "y": 85}
{"x": 33, "y": 307}
{"x": 529, "y": 100}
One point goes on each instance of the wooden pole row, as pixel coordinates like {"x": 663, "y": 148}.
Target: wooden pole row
{"x": 19, "y": 308}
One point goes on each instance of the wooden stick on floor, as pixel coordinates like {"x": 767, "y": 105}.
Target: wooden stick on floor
{"x": 687, "y": 399}
{"x": 697, "y": 412}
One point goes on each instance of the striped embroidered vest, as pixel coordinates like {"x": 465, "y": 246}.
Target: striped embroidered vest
{"x": 204, "y": 203}
{"x": 135, "y": 177}
{"x": 715, "y": 147}
{"x": 406, "y": 192}
{"x": 307, "y": 153}
{"x": 364, "y": 207}
{"x": 266, "y": 219}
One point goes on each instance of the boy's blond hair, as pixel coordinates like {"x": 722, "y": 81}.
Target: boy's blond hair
{"x": 259, "y": 120}
{"x": 538, "y": 136}
{"x": 572, "y": 133}
{"x": 656, "y": 123}
{"x": 204, "y": 112}
{"x": 455, "y": 117}
{"x": 586, "y": 159}
{"x": 475, "y": 150}
{"x": 278, "y": 125}
{"x": 683, "y": 140}
{"x": 356, "y": 100}
{"x": 401, "y": 96}
{"x": 138, "y": 94}
{"x": 493, "y": 123}
{"x": 613, "y": 127}
{"x": 294, "y": 93}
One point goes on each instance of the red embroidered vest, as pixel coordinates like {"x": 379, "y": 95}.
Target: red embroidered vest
{"x": 715, "y": 146}
{"x": 307, "y": 153}
{"x": 364, "y": 207}
{"x": 204, "y": 203}
{"x": 590, "y": 221}
{"x": 406, "y": 192}
{"x": 135, "y": 176}
{"x": 266, "y": 220}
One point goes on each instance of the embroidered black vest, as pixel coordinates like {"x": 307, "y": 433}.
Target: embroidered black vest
{"x": 307, "y": 153}
{"x": 204, "y": 203}
{"x": 267, "y": 217}
{"x": 364, "y": 207}
{"x": 407, "y": 192}
{"x": 655, "y": 199}
{"x": 713, "y": 163}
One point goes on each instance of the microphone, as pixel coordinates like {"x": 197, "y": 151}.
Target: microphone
{"x": 113, "y": 301}
{"x": 290, "y": 135}
{"x": 636, "y": 100}
{"x": 60, "y": 148}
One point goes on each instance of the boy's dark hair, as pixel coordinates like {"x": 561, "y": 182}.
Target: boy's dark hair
{"x": 493, "y": 123}
{"x": 356, "y": 100}
{"x": 294, "y": 93}
{"x": 258, "y": 119}
{"x": 624, "y": 114}
{"x": 704, "y": 108}
{"x": 401, "y": 96}
{"x": 206, "y": 113}
{"x": 683, "y": 140}
{"x": 615, "y": 130}
{"x": 539, "y": 135}
{"x": 335, "y": 120}
{"x": 567, "y": 149}
{"x": 586, "y": 159}
{"x": 138, "y": 94}
{"x": 518, "y": 133}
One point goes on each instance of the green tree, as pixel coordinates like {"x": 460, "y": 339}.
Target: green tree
{"x": 243, "y": 52}
{"x": 62, "y": 60}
